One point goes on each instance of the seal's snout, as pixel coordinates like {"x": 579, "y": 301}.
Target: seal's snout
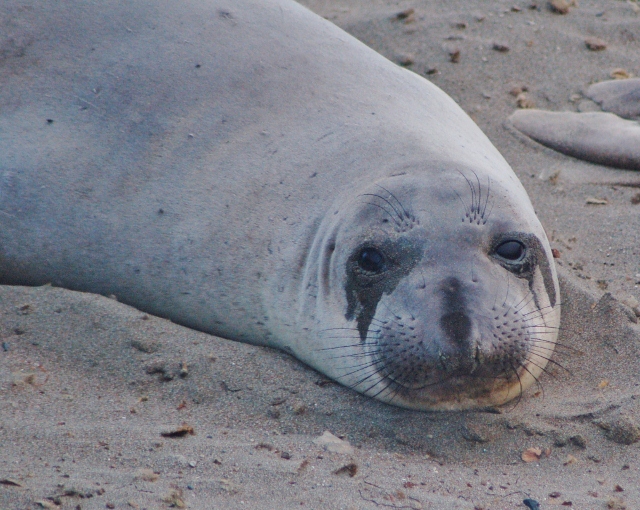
{"x": 455, "y": 321}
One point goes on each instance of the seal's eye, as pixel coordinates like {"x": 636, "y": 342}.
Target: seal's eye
{"x": 371, "y": 260}
{"x": 511, "y": 250}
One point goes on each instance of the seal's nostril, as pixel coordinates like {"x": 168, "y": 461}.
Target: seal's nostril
{"x": 454, "y": 322}
{"x": 457, "y": 326}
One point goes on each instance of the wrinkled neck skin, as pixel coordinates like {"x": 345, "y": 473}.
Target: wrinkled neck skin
{"x": 441, "y": 321}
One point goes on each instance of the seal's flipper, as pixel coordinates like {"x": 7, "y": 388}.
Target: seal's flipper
{"x": 621, "y": 97}
{"x": 598, "y": 137}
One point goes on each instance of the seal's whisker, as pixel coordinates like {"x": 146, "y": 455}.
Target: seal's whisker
{"x": 354, "y": 356}
{"x": 358, "y": 345}
{"x": 479, "y": 192}
{"x": 392, "y": 386}
{"x": 424, "y": 280}
{"x": 520, "y": 391}
{"x": 395, "y": 316}
{"x": 541, "y": 315}
{"x": 549, "y": 350}
{"x": 484, "y": 209}
{"x": 347, "y": 334}
{"x": 363, "y": 366}
{"x": 549, "y": 360}
{"x": 340, "y": 346}
{"x": 473, "y": 196}
{"x": 548, "y": 308}
{"x": 466, "y": 209}
{"x": 546, "y": 327}
{"x": 528, "y": 297}
{"x": 406, "y": 214}
{"x": 354, "y": 337}
{"x": 400, "y": 217}
{"x": 385, "y": 388}
{"x": 504, "y": 303}
{"x": 542, "y": 368}
{"x": 338, "y": 329}
{"x": 553, "y": 329}
{"x": 395, "y": 221}
{"x": 375, "y": 372}
{"x": 538, "y": 383}
{"x": 555, "y": 344}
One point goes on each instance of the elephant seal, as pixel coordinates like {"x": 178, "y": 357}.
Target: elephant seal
{"x": 609, "y": 137}
{"x": 249, "y": 170}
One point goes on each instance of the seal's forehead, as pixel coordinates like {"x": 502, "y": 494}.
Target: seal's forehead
{"x": 448, "y": 194}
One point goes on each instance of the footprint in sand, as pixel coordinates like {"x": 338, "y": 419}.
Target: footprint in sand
{"x": 610, "y": 137}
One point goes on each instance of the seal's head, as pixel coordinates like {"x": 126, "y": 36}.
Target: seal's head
{"x": 434, "y": 296}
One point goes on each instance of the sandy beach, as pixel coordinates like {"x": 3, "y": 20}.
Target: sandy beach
{"x": 104, "y": 406}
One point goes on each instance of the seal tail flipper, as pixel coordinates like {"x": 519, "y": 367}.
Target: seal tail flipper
{"x": 598, "y": 137}
{"x": 621, "y": 97}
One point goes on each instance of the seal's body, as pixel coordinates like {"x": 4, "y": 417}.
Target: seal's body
{"x": 609, "y": 137}
{"x": 248, "y": 169}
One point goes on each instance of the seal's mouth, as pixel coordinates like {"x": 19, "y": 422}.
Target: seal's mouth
{"x": 467, "y": 386}
{"x": 468, "y": 360}
{"x": 450, "y": 370}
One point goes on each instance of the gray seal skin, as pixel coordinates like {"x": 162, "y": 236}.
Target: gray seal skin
{"x": 249, "y": 170}
{"x": 610, "y": 137}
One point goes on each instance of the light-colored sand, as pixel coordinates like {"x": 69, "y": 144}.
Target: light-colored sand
{"x": 88, "y": 386}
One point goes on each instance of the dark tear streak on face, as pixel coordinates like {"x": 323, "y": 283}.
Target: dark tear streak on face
{"x": 537, "y": 258}
{"x": 365, "y": 291}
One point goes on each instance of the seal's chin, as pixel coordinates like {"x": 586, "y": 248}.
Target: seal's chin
{"x": 472, "y": 385}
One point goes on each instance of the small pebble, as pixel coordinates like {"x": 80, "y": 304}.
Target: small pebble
{"x": 5, "y": 346}
{"x": 502, "y": 48}
{"x": 190, "y": 487}
{"x": 350, "y": 469}
{"x": 273, "y": 413}
{"x": 524, "y": 102}
{"x": 193, "y": 463}
{"x": 616, "y": 504}
{"x": 516, "y": 91}
{"x": 532, "y": 504}
{"x": 578, "y": 441}
{"x": 620, "y": 74}
{"x": 406, "y": 13}
{"x": 595, "y": 44}
{"x": 454, "y": 56}
{"x": 624, "y": 431}
{"x": 560, "y": 6}
{"x": 406, "y": 60}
